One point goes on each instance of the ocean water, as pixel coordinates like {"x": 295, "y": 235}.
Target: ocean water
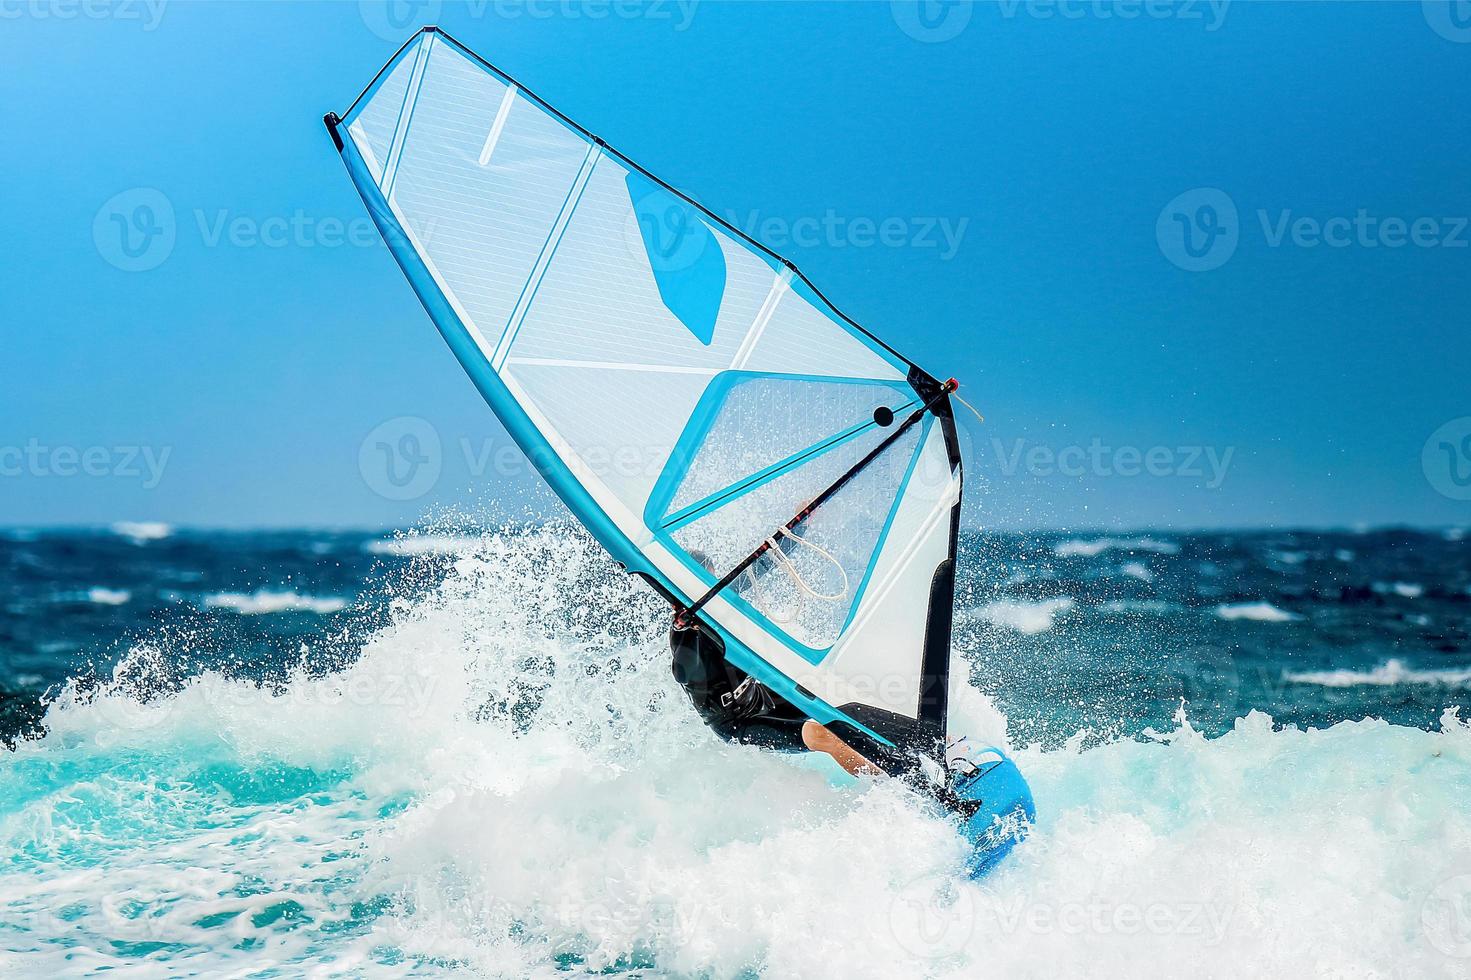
{"x": 459, "y": 751}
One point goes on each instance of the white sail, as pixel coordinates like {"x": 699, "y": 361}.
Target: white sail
{"x": 683, "y": 389}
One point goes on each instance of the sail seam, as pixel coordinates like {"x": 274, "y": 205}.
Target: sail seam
{"x": 494, "y": 136}
{"x": 543, "y": 261}
{"x": 405, "y": 118}
{"x": 763, "y": 317}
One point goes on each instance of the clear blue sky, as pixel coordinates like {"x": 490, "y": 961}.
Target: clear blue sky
{"x": 1049, "y": 139}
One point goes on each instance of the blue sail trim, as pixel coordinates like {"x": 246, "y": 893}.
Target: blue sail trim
{"x": 688, "y": 266}
{"x": 698, "y": 428}
{"x": 544, "y": 457}
{"x": 683, "y": 455}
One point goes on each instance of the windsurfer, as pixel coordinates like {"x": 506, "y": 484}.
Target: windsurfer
{"x": 742, "y": 709}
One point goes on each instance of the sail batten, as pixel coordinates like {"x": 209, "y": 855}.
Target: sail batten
{"x": 682, "y": 388}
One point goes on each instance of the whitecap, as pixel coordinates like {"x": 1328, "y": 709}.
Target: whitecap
{"x": 1128, "y": 607}
{"x": 1026, "y": 616}
{"x": 263, "y": 601}
{"x": 1260, "y": 612}
{"x": 413, "y": 545}
{"x": 1390, "y": 673}
{"x": 1137, "y": 570}
{"x": 1097, "y": 546}
{"x": 141, "y": 532}
{"x": 1406, "y": 590}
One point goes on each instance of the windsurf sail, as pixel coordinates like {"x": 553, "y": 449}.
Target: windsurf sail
{"x": 710, "y": 417}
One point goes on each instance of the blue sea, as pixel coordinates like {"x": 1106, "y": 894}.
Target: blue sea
{"x": 458, "y": 751}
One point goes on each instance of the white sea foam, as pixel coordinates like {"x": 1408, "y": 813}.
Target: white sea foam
{"x": 1260, "y": 612}
{"x": 1406, "y": 590}
{"x": 1149, "y": 607}
{"x": 141, "y": 532}
{"x": 1097, "y": 546}
{"x": 264, "y": 601}
{"x": 1028, "y": 616}
{"x": 420, "y": 814}
{"x": 1138, "y": 570}
{"x": 108, "y": 597}
{"x": 413, "y": 545}
{"x": 1388, "y": 674}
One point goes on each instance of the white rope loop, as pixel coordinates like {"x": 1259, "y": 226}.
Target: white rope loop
{"x": 785, "y": 563}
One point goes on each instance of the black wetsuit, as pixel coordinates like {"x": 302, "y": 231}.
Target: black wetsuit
{"x": 736, "y": 705}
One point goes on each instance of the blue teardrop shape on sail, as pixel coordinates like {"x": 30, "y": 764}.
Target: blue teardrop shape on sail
{"x": 688, "y": 264}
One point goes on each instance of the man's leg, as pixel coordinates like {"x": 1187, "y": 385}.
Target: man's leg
{"x": 817, "y": 738}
